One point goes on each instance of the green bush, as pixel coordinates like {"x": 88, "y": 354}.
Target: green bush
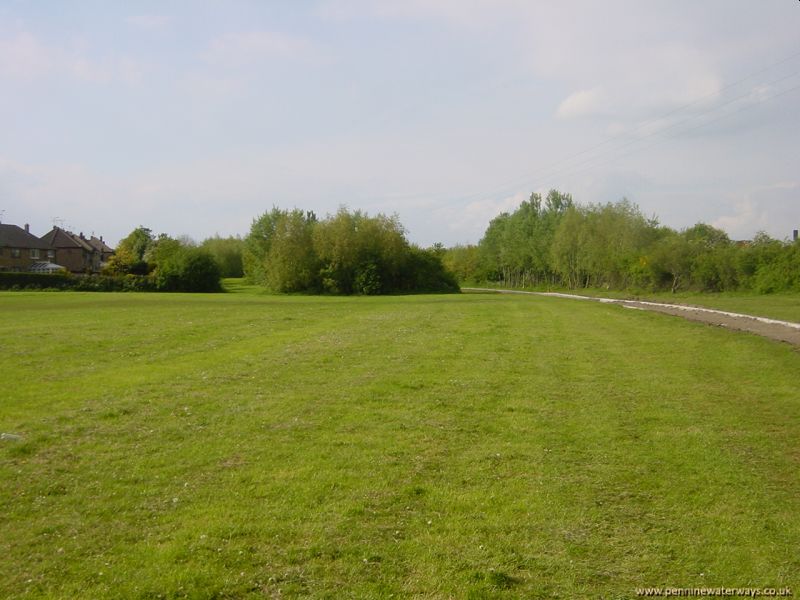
{"x": 187, "y": 269}
{"x": 66, "y": 281}
{"x": 368, "y": 280}
{"x": 782, "y": 273}
{"x": 424, "y": 272}
{"x": 345, "y": 253}
{"x": 228, "y": 254}
{"x": 118, "y": 283}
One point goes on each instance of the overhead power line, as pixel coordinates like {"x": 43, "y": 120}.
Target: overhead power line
{"x": 556, "y": 169}
{"x": 545, "y": 182}
{"x": 553, "y": 169}
{"x": 569, "y": 170}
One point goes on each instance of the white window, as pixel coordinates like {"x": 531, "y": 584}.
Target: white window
{"x": 34, "y": 253}
{"x": 15, "y": 253}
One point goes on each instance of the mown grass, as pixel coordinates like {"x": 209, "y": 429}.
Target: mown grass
{"x": 474, "y": 446}
{"x": 238, "y": 285}
{"x": 784, "y": 306}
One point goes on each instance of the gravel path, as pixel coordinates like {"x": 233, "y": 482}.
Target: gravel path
{"x": 784, "y": 331}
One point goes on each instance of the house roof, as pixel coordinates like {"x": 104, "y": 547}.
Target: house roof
{"x": 99, "y": 245}
{"x": 13, "y": 236}
{"x": 60, "y": 238}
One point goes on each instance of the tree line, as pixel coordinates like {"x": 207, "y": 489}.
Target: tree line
{"x": 286, "y": 251}
{"x": 163, "y": 263}
{"x": 554, "y": 242}
{"x": 547, "y": 242}
{"x": 144, "y": 262}
{"x": 348, "y": 252}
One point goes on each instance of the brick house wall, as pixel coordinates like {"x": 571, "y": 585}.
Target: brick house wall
{"x": 73, "y": 251}
{"x": 19, "y": 249}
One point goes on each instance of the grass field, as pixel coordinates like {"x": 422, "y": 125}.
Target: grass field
{"x": 783, "y": 306}
{"x": 776, "y": 306}
{"x": 467, "y": 446}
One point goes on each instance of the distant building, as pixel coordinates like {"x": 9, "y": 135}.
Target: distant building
{"x": 20, "y": 249}
{"x": 106, "y": 252}
{"x": 76, "y": 253}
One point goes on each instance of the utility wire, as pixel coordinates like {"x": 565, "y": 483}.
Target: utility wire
{"x": 552, "y": 169}
{"x": 674, "y": 125}
{"x": 674, "y": 135}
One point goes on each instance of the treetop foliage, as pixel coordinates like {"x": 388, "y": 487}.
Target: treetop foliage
{"x": 349, "y": 252}
{"x": 548, "y": 241}
{"x": 171, "y": 265}
{"x": 557, "y": 242}
{"x": 227, "y": 252}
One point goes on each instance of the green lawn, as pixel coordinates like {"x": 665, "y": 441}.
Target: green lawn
{"x": 468, "y": 446}
{"x": 784, "y": 306}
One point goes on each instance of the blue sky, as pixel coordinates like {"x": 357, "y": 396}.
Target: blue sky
{"x": 195, "y": 117}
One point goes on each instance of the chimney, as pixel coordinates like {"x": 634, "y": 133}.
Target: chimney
{"x": 794, "y": 235}
{"x": 101, "y": 237}
{"x": 28, "y": 228}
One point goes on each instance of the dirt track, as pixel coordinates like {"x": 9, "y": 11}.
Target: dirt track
{"x": 783, "y": 331}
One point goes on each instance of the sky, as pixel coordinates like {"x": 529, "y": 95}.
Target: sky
{"x": 193, "y": 118}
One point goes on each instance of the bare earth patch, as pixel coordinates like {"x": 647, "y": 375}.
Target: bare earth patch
{"x": 783, "y": 331}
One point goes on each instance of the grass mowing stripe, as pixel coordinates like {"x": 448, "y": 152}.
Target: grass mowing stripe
{"x": 781, "y": 306}
{"x": 475, "y": 446}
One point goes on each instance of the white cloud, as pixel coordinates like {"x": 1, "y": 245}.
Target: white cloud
{"x": 470, "y": 221}
{"x": 581, "y": 104}
{"x": 617, "y": 65}
{"x": 638, "y": 83}
{"x": 627, "y": 69}
{"x": 67, "y": 191}
{"x": 768, "y": 208}
{"x": 747, "y": 217}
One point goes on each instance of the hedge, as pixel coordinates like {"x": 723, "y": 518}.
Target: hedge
{"x": 66, "y": 281}
{"x": 61, "y": 281}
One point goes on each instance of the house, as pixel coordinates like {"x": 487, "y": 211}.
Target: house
{"x": 75, "y": 252}
{"x": 20, "y": 249}
{"x": 106, "y": 252}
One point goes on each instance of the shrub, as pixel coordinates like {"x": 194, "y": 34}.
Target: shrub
{"x": 368, "y": 280}
{"x": 424, "y": 272}
{"x": 187, "y": 270}
{"x": 60, "y": 281}
{"x": 782, "y": 274}
{"x": 345, "y": 253}
{"x": 66, "y": 281}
